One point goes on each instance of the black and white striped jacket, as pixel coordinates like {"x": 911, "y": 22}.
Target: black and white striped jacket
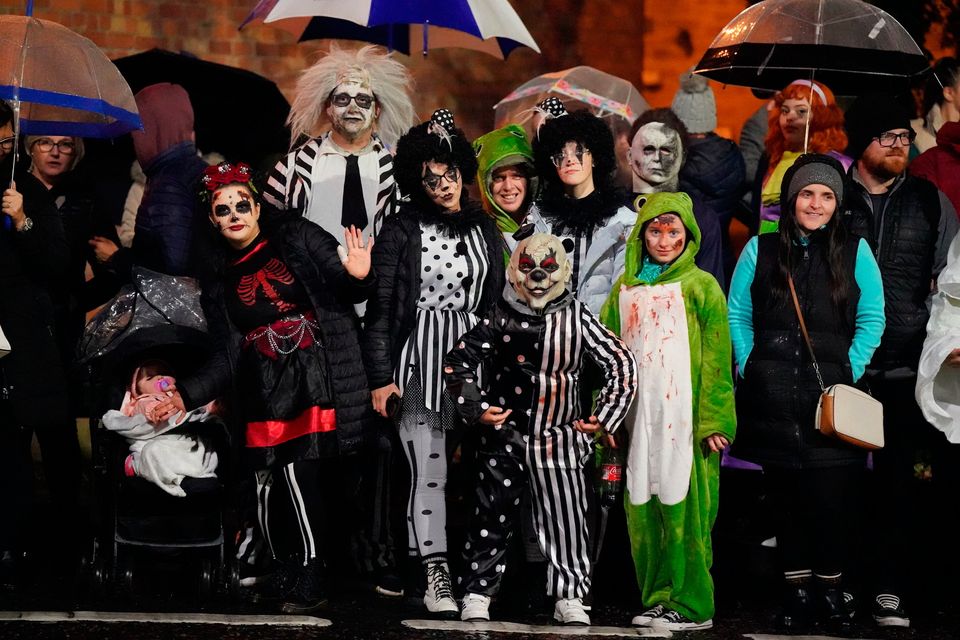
{"x": 310, "y": 178}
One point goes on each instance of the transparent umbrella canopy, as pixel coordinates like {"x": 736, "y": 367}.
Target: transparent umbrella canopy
{"x": 606, "y": 95}
{"x": 849, "y": 45}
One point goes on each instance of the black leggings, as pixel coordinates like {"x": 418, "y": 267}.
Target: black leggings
{"x": 813, "y": 510}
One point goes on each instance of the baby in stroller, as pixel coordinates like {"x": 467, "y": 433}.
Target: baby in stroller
{"x": 160, "y": 451}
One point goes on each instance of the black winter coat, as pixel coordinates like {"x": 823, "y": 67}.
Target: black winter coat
{"x": 777, "y": 396}
{"x": 311, "y": 255}
{"x": 714, "y": 169}
{"x": 30, "y": 263}
{"x": 392, "y": 310}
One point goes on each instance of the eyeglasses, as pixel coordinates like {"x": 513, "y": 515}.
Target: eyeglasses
{"x": 432, "y": 180}
{"x": 66, "y": 147}
{"x": 363, "y": 100}
{"x": 7, "y": 143}
{"x": 558, "y": 158}
{"x": 889, "y": 138}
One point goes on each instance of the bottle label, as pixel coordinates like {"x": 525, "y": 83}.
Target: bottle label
{"x": 611, "y": 473}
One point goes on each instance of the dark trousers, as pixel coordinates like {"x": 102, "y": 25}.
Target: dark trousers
{"x": 812, "y": 516}
{"x": 60, "y": 453}
{"x": 373, "y": 545}
{"x": 913, "y": 498}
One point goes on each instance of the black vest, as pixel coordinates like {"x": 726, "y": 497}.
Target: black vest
{"x": 777, "y": 397}
{"x": 903, "y": 238}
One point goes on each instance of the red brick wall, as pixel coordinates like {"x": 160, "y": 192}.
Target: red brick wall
{"x": 652, "y": 40}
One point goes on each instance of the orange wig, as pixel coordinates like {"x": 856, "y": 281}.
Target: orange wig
{"x": 826, "y": 123}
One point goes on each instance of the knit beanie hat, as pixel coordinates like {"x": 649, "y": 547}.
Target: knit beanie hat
{"x": 871, "y": 115}
{"x": 694, "y": 104}
{"x": 814, "y": 168}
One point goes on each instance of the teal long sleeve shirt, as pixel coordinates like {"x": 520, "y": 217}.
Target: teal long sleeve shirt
{"x": 870, "y": 320}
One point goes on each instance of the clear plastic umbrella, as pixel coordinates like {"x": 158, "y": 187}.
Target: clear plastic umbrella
{"x": 61, "y": 83}
{"x": 604, "y": 94}
{"x": 851, "y": 46}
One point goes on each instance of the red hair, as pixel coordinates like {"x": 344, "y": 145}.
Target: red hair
{"x": 826, "y": 124}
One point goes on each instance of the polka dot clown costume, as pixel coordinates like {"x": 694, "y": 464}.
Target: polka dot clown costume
{"x": 531, "y": 351}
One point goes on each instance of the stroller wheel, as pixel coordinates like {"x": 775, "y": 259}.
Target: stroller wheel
{"x": 207, "y": 580}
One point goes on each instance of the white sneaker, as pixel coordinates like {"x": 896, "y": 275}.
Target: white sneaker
{"x": 439, "y": 595}
{"x": 570, "y": 611}
{"x": 648, "y": 616}
{"x": 476, "y": 608}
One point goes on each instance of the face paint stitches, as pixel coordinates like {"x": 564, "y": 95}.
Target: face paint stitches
{"x": 539, "y": 270}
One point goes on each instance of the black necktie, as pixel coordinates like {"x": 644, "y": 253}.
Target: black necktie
{"x": 354, "y": 210}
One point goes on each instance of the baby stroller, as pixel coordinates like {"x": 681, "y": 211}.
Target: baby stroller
{"x": 143, "y": 526}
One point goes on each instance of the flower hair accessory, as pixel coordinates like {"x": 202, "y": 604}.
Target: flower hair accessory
{"x": 220, "y": 175}
{"x": 441, "y": 123}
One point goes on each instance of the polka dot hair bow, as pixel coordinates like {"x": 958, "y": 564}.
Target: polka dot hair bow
{"x": 549, "y": 108}
{"x": 441, "y": 124}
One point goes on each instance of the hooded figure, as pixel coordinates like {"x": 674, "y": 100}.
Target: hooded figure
{"x": 533, "y": 435}
{"x": 503, "y": 149}
{"x": 683, "y": 412}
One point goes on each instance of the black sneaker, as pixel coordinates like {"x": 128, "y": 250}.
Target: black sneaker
{"x": 676, "y": 621}
{"x": 797, "y": 612}
{"x": 888, "y": 612}
{"x": 274, "y": 586}
{"x": 388, "y": 584}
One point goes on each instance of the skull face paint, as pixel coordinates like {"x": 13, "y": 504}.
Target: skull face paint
{"x": 655, "y": 158}
{"x": 664, "y": 238}
{"x": 539, "y": 270}
{"x": 352, "y": 121}
{"x": 235, "y": 213}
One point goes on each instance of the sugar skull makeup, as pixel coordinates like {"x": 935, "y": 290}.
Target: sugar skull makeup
{"x": 664, "y": 238}
{"x": 539, "y": 270}
{"x": 352, "y": 107}
{"x": 656, "y": 155}
{"x": 235, "y": 213}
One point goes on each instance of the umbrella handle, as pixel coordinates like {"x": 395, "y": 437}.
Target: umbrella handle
{"x": 806, "y": 127}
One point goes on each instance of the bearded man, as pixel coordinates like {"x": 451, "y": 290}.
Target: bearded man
{"x": 350, "y": 108}
{"x": 909, "y": 224}
{"x": 658, "y": 149}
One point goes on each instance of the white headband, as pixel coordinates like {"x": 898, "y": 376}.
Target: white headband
{"x": 817, "y": 90}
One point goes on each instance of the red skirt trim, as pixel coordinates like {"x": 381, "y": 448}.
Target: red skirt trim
{"x": 270, "y": 433}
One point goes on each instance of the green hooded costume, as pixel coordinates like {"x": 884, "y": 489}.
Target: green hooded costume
{"x": 674, "y": 319}
{"x": 503, "y": 148}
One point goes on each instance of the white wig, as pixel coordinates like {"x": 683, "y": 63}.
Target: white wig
{"x": 390, "y": 82}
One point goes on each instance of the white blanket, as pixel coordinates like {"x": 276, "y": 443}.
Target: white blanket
{"x": 161, "y": 456}
{"x": 938, "y": 386}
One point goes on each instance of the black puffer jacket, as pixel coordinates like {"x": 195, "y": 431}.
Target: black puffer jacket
{"x": 392, "y": 310}
{"x": 904, "y": 239}
{"x": 30, "y": 263}
{"x": 777, "y": 396}
{"x": 311, "y": 254}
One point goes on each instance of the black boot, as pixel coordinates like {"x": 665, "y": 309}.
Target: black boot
{"x": 308, "y": 592}
{"x": 797, "y": 613}
{"x": 832, "y": 608}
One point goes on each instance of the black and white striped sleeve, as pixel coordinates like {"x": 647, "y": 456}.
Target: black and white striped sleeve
{"x": 461, "y": 370}
{"x": 278, "y": 182}
{"x": 619, "y": 367}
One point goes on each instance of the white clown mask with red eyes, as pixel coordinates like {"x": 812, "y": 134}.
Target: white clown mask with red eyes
{"x": 539, "y": 270}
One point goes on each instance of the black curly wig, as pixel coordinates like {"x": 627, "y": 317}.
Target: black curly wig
{"x": 418, "y": 146}
{"x": 585, "y": 128}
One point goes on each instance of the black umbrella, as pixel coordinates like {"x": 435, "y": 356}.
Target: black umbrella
{"x": 238, "y": 113}
{"x": 851, "y": 46}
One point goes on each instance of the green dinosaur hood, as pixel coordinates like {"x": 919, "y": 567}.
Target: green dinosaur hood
{"x": 648, "y": 207}
{"x": 502, "y": 148}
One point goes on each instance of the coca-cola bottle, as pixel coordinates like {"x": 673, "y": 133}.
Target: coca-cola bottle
{"x": 612, "y": 475}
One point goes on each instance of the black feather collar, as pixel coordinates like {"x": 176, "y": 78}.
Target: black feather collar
{"x": 451, "y": 225}
{"x": 574, "y": 217}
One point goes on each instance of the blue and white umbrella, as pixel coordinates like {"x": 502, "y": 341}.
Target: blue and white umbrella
{"x": 491, "y": 26}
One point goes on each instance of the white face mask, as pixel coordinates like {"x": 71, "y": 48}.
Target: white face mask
{"x": 656, "y": 156}
{"x": 352, "y": 120}
{"x": 539, "y": 270}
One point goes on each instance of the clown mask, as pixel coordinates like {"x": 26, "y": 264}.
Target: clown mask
{"x": 539, "y": 270}
{"x": 352, "y": 107}
{"x": 656, "y": 156}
